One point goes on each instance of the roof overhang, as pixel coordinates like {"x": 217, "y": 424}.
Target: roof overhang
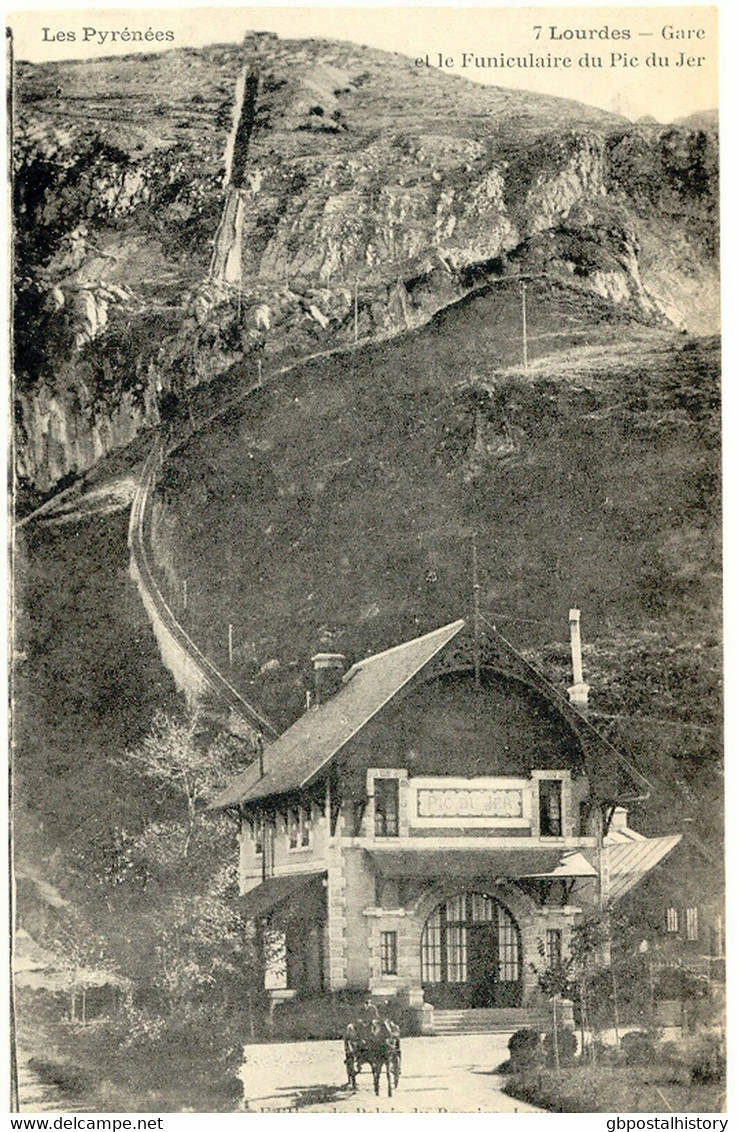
{"x": 515, "y": 864}
{"x": 305, "y": 749}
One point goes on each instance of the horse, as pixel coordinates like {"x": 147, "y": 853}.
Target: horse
{"x": 378, "y": 1046}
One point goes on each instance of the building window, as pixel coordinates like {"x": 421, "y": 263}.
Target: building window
{"x": 298, "y": 827}
{"x": 386, "y": 807}
{"x": 718, "y": 938}
{"x": 257, "y": 832}
{"x": 692, "y": 925}
{"x": 267, "y": 861}
{"x": 305, "y": 826}
{"x": 672, "y": 920}
{"x": 388, "y": 953}
{"x": 553, "y": 948}
{"x": 431, "y": 948}
{"x": 508, "y": 945}
{"x": 549, "y": 795}
{"x": 293, "y": 827}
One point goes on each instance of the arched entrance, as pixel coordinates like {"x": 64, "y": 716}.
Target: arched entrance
{"x": 470, "y": 954}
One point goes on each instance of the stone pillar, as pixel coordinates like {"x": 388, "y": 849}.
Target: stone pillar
{"x": 337, "y": 976}
{"x": 336, "y": 973}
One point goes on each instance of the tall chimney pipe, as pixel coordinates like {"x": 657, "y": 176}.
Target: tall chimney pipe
{"x": 579, "y": 691}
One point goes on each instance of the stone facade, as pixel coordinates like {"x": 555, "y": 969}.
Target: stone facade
{"x": 449, "y": 853}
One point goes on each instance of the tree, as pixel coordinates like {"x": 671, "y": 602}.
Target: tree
{"x": 187, "y": 762}
{"x": 588, "y": 939}
{"x": 556, "y": 981}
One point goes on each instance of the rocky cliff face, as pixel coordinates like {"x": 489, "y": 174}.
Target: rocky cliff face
{"x": 367, "y": 194}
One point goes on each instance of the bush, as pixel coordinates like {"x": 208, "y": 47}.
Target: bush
{"x": 567, "y": 1044}
{"x": 187, "y": 1059}
{"x": 677, "y": 984}
{"x": 638, "y": 1048}
{"x": 526, "y": 1050}
{"x": 708, "y": 1061}
{"x": 69, "y": 1079}
{"x": 306, "y": 1019}
{"x": 601, "y": 1053}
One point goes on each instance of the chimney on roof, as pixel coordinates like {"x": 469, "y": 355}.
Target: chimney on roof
{"x": 619, "y": 818}
{"x": 328, "y": 668}
{"x": 579, "y": 691}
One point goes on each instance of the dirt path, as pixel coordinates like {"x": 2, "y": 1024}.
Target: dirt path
{"x": 452, "y": 1074}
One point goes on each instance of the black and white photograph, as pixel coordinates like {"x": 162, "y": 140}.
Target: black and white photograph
{"x": 366, "y": 741}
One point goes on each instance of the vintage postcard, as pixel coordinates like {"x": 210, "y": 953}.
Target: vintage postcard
{"x": 366, "y": 561}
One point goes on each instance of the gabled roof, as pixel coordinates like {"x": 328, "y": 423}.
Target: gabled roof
{"x": 293, "y": 760}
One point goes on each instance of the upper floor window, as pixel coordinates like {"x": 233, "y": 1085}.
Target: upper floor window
{"x": 386, "y": 807}
{"x": 692, "y": 925}
{"x": 305, "y": 826}
{"x": 293, "y": 827}
{"x": 549, "y": 795}
{"x": 672, "y": 920}
{"x": 267, "y": 860}
{"x": 298, "y": 827}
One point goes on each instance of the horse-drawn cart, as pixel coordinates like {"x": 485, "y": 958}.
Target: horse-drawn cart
{"x": 376, "y": 1045}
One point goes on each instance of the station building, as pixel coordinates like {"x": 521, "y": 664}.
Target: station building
{"x": 433, "y": 825}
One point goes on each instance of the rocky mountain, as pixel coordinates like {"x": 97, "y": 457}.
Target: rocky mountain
{"x": 184, "y": 213}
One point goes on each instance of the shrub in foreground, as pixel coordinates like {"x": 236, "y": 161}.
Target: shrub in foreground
{"x": 638, "y": 1048}
{"x": 188, "y": 1059}
{"x": 566, "y": 1041}
{"x": 708, "y": 1060}
{"x": 526, "y": 1050}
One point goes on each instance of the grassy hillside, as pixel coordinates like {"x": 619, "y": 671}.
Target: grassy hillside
{"x": 337, "y": 509}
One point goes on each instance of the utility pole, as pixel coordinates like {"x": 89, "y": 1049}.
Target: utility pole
{"x": 230, "y": 645}
{"x": 477, "y": 619}
{"x": 258, "y": 367}
{"x": 184, "y": 594}
{"x": 525, "y": 325}
{"x": 356, "y": 310}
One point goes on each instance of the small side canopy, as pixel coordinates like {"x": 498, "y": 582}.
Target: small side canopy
{"x": 570, "y": 865}
{"x": 300, "y": 895}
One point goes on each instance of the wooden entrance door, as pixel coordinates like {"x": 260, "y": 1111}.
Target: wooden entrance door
{"x": 482, "y": 964}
